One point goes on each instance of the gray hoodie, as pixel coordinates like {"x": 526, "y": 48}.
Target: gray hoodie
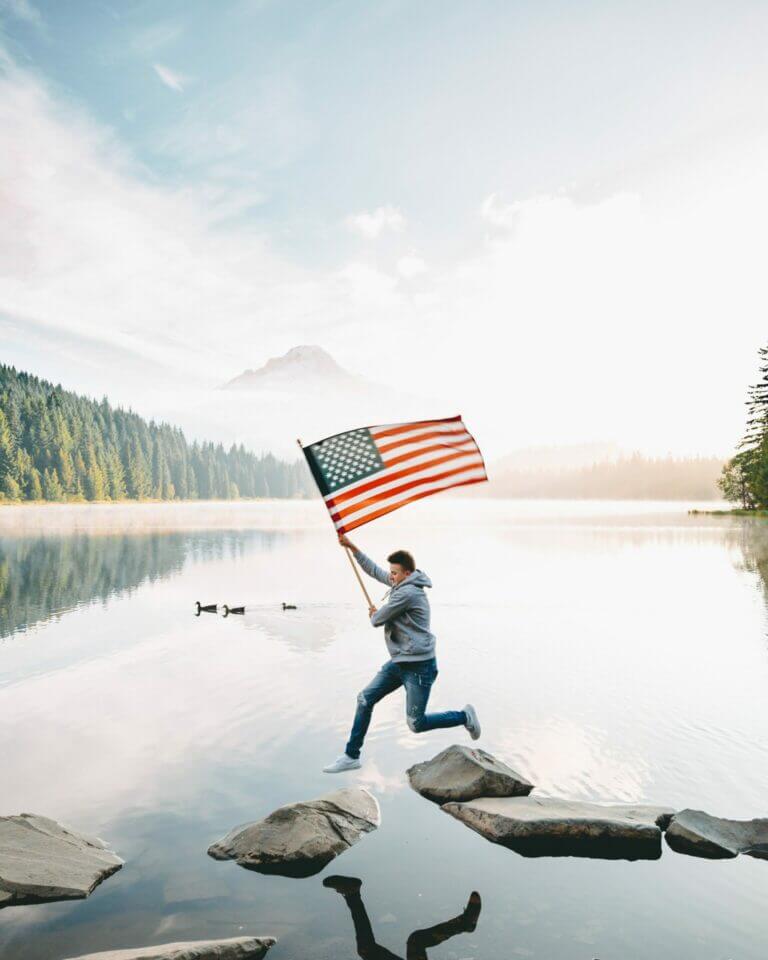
{"x": 405, "y": 615}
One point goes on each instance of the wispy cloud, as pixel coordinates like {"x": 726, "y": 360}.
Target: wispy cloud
{"x": 176, "y": 81}
{"x": 22, "y": 10}
{"x": 618, "y": 318}
{"x": 88, "y": 247}
{"x": 237, "y": 133}
{"x": 371, "y": 224}
{"x": 155, "y": 37}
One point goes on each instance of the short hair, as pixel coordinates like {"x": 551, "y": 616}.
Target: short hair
{"x": 404, "y": 558}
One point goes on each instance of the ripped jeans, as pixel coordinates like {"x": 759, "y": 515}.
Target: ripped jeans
{"x": 417, "y": 677}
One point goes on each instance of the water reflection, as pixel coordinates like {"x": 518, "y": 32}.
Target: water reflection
{"x": 43, "y": 576}
{"x": 312, "y": 628}
{"x": 590, "y": 848}
{"x": 613, "y": 658}
{"x": 418, "y": 942}
{"x": 751, "y": 537}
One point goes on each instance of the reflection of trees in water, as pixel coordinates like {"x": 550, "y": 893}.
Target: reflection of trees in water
{"x": 418, "y": 942}
{"x": 751, "y": 538}
{"x": 43, "y": 576}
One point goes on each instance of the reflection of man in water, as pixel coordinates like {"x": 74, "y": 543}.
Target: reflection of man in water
{"x": 411, "y": 645}
{"x": 418, "y": 942}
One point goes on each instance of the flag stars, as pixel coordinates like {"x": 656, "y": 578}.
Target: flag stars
{"x": 346, "y": 458}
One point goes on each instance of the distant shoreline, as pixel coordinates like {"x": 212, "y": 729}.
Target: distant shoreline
{"x": 473, "y": 494}
{"x": 148, "y": 500}
{"x": 735, "y": 512}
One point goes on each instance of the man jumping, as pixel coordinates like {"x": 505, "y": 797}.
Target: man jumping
{"x": 412, "y": 664}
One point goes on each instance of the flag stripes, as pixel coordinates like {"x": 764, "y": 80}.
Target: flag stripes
{"x": 421, "y": 437}
{"x": 369, "y": 472}
{"x": 438, "y": 482}
{"x": 390, "y": 477}
{"x": 394, "y": 506}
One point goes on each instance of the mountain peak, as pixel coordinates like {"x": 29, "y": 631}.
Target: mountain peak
{"x": 302, "y": 365}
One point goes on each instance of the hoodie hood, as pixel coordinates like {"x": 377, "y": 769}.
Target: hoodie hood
{"x": 416, "y": 579}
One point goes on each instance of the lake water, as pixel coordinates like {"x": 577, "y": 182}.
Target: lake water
{"x": 613, "y": 651}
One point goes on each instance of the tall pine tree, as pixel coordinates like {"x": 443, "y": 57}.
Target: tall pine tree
{"x": 745, "y": 476}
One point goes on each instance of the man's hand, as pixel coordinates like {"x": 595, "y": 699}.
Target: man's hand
{"x": 346, "y": 542}
{"x": 372, "y": 610}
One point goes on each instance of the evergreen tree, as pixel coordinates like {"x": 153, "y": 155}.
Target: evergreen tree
{"x": 11, "y": 488}
{"x": 80, "y": 477}
{"x": 66, "y": 471}
{"x": 60, "y": 446}
{"x": 7, "y": 448}
{"x": 52, "y": 488}
{"x": 34, "y": 489}
{"x": 96, "y": 488}
{"x": 139, "y": 476}
{"x": 745, "y": 476}
{"x": 116, "y": 488}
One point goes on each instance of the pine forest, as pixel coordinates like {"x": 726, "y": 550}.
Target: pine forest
{"x": 59, "y": 446}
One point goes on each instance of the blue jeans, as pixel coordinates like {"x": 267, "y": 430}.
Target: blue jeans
{"x": 417, "y": 677}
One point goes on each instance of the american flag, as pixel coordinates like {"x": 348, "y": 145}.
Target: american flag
{"x": 365, "y": 473}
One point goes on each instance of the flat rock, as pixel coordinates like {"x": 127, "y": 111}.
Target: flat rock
{"x": 238, "y": 948}
{"x": 299, "y": 839}
{"x": 701, "y": 835}
{"x": 42, "y": 860}
{"x": 541, "y": 826}
{"x": 462, "y": 773}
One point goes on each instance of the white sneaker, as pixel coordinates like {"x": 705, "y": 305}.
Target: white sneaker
{"x": 342, "y": 763}
{"x": 472, "y": 724}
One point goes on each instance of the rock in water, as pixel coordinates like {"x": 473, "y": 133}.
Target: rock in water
{"x": 238, "y": 948}
{"x": 462, "y": 773}
{"x": 701, "y": 835}
{"x": 41, "y": 860}
{"x": 540, "y": 826}
{"x": 299, "y": 839}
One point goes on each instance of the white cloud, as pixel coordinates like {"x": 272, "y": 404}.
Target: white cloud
{"x": 176, "y": 81}
{"x": 22, "y": 10}
{"x": 365, "y": 286}
{"x": 372, "y": 224}
{"x": 498, "y": 214}
{"x": 619, "y": 319}
{"x": 87, "y": 247}
{"x": 411, "y": 266}
{"x": 616, "y": 319}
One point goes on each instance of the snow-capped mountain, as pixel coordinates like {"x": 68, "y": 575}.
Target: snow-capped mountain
{"x": 304, "y": 393}
{"x": 301, "y": 368}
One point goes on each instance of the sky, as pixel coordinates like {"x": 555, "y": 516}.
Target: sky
{"x": 547, "y": 216}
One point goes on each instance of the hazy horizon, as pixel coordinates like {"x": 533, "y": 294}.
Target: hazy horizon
{"x": 546, "y": 218}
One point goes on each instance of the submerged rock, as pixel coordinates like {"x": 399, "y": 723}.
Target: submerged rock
{"x": 700, "y": 835}
{"x": 539, "y": 826}
{"x": 299, "y": 839}
{"x": 42, "y": 860}
{"x": 238, "y": 948}
{"x": 463, "y": 773}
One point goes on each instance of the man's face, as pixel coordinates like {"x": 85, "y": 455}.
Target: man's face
{"x": 397, "y": 574}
